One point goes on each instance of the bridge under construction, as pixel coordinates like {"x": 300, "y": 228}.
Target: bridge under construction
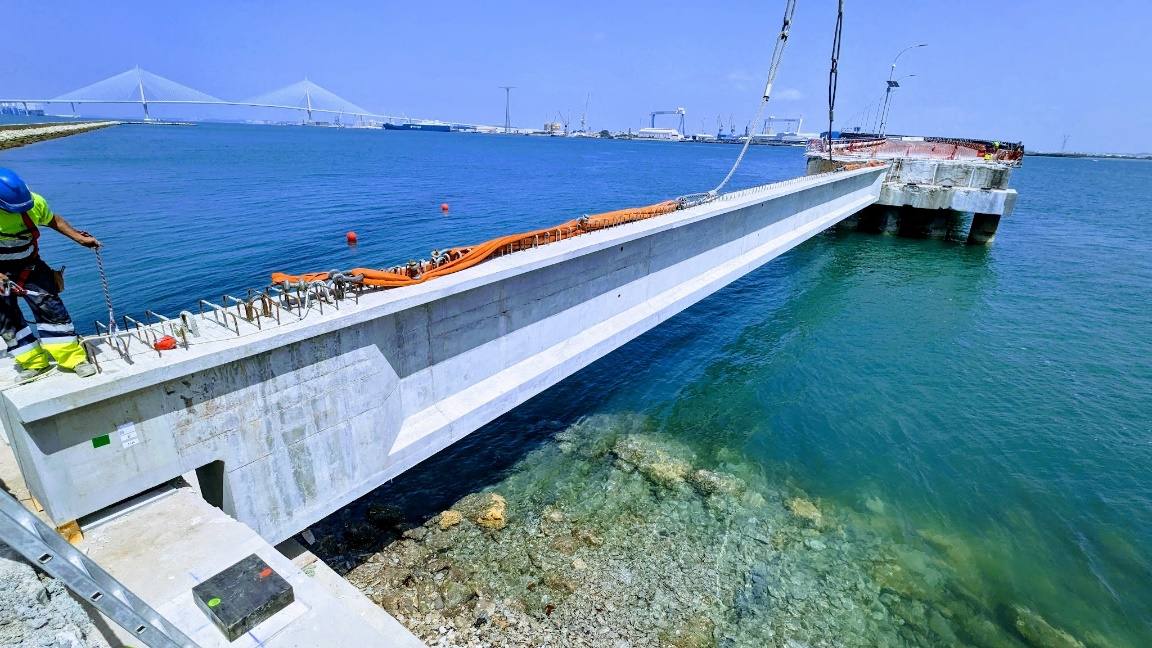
{"x": 139, "y": 87}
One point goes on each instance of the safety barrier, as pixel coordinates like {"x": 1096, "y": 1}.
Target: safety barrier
{"x": 935, "y": 148}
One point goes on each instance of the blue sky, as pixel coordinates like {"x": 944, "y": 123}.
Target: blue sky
{"x": 1006, "y": 69}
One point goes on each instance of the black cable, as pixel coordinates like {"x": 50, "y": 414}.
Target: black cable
{"x": 833, "y": 72}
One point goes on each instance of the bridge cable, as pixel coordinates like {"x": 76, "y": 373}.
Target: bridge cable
{"x": 777, "y": 55}
{"x": 834, "y": 72}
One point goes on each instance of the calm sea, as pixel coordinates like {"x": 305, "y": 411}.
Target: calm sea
{"x": 1000, "y": 397}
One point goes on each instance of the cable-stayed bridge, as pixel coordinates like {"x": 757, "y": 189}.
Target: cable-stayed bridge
{"x": 144, "y": 88}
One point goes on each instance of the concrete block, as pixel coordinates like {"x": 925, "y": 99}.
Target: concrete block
{"x": 243, "y": 596}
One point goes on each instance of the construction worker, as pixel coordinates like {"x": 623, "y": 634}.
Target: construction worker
{"x": 23, "y": 273}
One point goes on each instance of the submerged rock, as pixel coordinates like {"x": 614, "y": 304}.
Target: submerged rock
{"x": 1038, "y": 632}
{"x": 488, "y": 510}
{"x": 713, "y": 483}
{"x": 697, "y": 632}
{"x": 449, "y": 519}
{"x": 652, "y": 461}
{"x": 875, "y": 505}
{"x": 806, "y": 510}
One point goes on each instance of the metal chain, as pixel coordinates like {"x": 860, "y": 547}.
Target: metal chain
{"x": 107, "y": 291}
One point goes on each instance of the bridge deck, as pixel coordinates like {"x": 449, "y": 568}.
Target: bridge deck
{"x": 286, "y": 423}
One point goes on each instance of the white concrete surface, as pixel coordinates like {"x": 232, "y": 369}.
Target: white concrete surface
{"x": 175, "y": 540}
{"x": 301, "y": 418}
{"x": 963, "y": 185}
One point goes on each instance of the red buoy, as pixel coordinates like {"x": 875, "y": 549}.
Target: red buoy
{"x": 351, "y": 236}
{"x": 166, "y": 343}
{"x": 444, "y": 207}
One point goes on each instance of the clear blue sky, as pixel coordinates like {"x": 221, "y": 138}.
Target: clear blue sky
{"x": 1030, "y": 70}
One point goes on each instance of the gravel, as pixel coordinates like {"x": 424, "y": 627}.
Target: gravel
{"x": 37, "y": 610}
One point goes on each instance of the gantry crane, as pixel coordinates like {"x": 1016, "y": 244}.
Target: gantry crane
{"x": 678, "y": 111}
{"x": 799, "y": 121}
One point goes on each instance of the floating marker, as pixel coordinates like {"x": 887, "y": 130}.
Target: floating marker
{"x": 444, "y": 207}
{"x": 351, "y": 238}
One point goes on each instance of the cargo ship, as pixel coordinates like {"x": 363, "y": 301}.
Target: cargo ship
{"x": 440, "y": 127}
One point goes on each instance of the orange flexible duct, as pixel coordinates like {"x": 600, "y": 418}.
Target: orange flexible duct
{"x": 464, "y": 258}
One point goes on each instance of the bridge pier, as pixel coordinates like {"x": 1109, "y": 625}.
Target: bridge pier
{"x": 943, "y": 224}
{"x": 929, "y": 191}
{"x": 983, "y": 228}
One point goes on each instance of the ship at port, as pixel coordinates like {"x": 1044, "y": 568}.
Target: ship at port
{"x": 435, "y": 126}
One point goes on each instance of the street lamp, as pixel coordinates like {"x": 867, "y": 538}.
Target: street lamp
{"x": 893, "y": 83}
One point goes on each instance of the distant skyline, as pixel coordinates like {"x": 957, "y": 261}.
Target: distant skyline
{"x": 1028, "y": 70}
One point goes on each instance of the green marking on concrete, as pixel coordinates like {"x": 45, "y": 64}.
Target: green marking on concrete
{"x": 213, "y": 602}
{"x": 100, "y": 441}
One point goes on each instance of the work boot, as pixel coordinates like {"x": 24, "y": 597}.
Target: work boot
{"x": 85, "y": 369}
{"x": 24, "y": 375}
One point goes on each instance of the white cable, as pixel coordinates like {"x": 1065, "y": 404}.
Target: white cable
{"x": 777, "y": 55}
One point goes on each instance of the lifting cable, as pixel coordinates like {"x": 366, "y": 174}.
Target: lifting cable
{"x": 834, "y": 72}
{"x": 777, "y": 54}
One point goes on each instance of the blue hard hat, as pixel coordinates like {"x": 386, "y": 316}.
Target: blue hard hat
{"x": 14, "y": 194}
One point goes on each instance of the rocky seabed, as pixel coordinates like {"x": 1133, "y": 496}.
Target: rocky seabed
{"x": 615, "y": 537}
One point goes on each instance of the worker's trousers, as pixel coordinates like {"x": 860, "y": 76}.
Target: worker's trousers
{"x": 57, "y": 335}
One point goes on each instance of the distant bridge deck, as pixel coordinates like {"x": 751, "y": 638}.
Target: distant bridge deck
{"x": 286, "y": 423}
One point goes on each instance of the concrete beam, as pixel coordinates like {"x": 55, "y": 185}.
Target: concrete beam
{"x": 299, "y": 419}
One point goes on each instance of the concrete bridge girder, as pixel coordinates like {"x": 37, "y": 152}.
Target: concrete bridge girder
{"x": 288, "y": 424}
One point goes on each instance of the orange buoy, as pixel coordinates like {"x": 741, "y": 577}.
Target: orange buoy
{"x": 166, "y": 343}
{"x": 444, "y": 207}
{"x": 351, "y": 236}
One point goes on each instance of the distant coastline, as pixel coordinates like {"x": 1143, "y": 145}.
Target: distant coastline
{"x": 1108, "y": 156}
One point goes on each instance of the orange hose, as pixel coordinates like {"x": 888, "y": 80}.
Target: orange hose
{"x": 469, "y": 257}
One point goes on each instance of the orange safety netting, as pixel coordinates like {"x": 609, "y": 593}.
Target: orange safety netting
{"x": 457, "y": 259}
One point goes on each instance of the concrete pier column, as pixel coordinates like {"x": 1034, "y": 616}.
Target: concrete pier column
{"x": 983, "y": 228}
{"x": 946, "y": 224}
{"x": 939, "y": 225}
{"x": 878, "y": 219}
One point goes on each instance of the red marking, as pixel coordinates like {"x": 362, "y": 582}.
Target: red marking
{"x": 266, "y": 572}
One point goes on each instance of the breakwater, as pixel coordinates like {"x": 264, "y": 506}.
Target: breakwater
{"x": 16, "y": 135}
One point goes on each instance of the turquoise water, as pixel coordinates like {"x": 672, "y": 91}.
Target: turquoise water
{"x": 990, "y": 408}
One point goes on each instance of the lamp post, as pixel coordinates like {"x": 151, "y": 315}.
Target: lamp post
{"x": 893, "y": 83}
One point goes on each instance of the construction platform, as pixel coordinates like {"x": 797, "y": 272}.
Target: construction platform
{"x": 936, "y": 187}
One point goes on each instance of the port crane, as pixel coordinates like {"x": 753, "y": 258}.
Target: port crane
{"x": 772, "y": 119}
{"x": 678, "y": 111}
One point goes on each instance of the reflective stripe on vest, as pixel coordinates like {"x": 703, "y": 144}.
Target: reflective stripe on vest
{"x": 22, "y": 247}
